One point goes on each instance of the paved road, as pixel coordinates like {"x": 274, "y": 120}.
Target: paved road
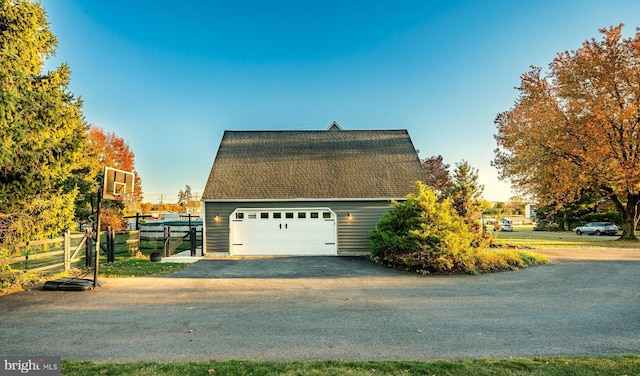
{"x": 333, "y": 308}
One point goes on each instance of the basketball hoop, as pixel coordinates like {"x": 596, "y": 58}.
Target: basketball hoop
{"x": 117, "y": 183}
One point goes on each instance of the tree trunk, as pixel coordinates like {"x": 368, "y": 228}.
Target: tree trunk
{"x": 629, "y": 214}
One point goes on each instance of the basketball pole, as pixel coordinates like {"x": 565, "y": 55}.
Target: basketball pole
{"x": 97, "y": 258}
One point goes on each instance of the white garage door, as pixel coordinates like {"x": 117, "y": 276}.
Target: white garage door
{"x": 289, "y": 231}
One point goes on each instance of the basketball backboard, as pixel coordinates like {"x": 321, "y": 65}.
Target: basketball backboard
{"x": 117, "y": 183}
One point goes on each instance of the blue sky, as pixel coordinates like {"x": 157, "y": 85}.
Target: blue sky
{"x": 170, "y": 77}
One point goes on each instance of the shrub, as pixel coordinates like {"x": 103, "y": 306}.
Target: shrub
{"x": 113, "y": 218}
{"x": 10, "y": 277}
{"x": 422, "y": 234}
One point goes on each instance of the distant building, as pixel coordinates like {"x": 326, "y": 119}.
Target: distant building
{"x": 529, "y": 211}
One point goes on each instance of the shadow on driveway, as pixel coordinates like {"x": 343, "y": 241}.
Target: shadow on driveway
{"x": 285, "y": 268}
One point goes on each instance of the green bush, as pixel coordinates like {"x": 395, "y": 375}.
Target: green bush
{"x": 10, "y": 277}
{"x": 424, "y": 235}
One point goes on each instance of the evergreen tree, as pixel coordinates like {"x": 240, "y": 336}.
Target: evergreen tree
{"x": 423, "y": 234}
{"x": 466, "y": 192}
{"x": 466, "y": 198}
{"x": 42, "y": 130}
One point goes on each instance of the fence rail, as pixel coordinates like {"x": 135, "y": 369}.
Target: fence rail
{"x": 56, "y": 255}
{"x": 49, "y": 255}
{"x": 169, "y": 239}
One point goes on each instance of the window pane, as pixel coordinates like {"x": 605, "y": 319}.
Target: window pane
{"x": 302, "y": 215}
{"x": 239, "y": 215}
{"x": 314, "y": 214}
{"x": 326, "y": 215}
{"x": 252, "y": 216}
{"x": 289, "y": 215}
{"x": 264, "y": 215}
{"x": 277, "y": 215}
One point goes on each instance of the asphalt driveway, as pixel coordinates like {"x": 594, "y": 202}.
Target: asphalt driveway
{"x": 333, "y": 308}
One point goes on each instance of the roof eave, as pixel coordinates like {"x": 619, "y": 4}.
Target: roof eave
{"x": 300, "y": 199}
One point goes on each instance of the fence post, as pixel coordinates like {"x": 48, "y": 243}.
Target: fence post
{"x": 167, "y": 237}
{"x": 89, "y": 248}
{"x": 113, "y": 244}
{"x": 192, "y": 240}
{"x": 110, "y": 246}
{"x": 67, "y": 250}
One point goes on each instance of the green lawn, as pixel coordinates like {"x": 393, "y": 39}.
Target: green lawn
{"x": 525, "y": 237}
{"x": 621, "y": 365}
{"x": 138, "y": 267}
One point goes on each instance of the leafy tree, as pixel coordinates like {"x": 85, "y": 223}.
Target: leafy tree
{"x": 42, "y": 131}
{"x": 438, "y": 177}
{"x": 113, "y": 151}
{"x": 184, "y": 197}
{"x": 111, "y": 217}
{"x": 578, "y": 127}
{"x": 587, "y": 208}
{"x": 146, "y": 207}
{"x": 109, "y": 149}
{"x": 499, "y": 209}
{"x": 516, "y": 205}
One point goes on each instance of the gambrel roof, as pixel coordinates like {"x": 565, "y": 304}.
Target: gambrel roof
{"x": 337, "y": 164}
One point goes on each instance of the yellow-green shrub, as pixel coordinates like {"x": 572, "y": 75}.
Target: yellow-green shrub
{"x": 424, "y": 235}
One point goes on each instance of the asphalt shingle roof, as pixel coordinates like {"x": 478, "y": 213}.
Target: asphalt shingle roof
{"x": 314, "y": 164}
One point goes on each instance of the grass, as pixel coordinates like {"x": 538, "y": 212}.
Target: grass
{"x": 525, "y": 237}
{"x": 495, "y": 260}
{"x": 139, "y": 267}
{"x": 137, "y": 264}
{"x": 619, "y": 365}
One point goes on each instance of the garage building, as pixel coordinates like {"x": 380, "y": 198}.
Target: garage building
{"x": 304, "y": 192}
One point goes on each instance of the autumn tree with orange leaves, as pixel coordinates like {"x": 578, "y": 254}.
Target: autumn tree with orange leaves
{"x": 111, "y": 150}
{"x": 438, "y": 177}
{"x": 577, "y": 128}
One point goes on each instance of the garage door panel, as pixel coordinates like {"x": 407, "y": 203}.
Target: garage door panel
{"x": 283, "y": 232}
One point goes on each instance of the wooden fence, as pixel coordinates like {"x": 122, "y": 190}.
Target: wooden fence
{"x": 64, "y": 253}
{"x": 47, "y": 256}
{"x": 170, "y": 239}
